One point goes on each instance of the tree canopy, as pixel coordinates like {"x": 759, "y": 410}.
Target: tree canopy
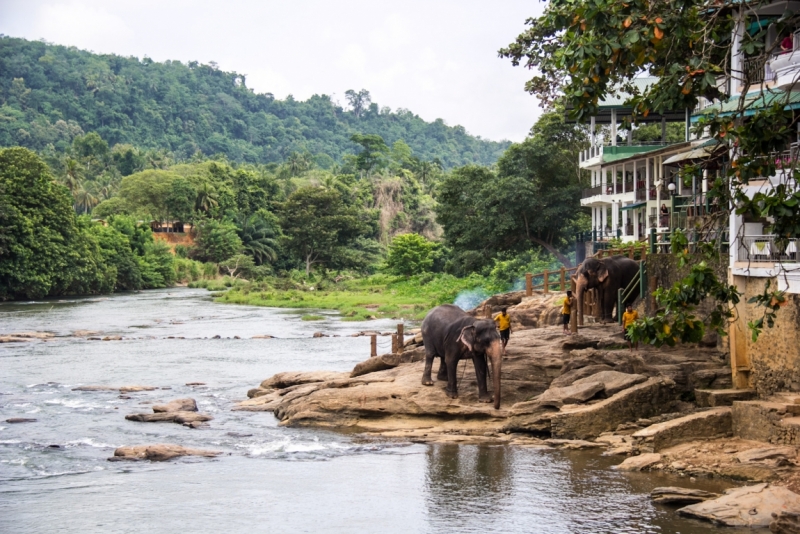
{"x": 52, "y": 94}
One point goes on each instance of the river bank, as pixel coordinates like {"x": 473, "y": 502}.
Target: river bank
{"x": 180, "y": 344}
{"x": 670, "y": 410}
{"x": 360, "y": 299}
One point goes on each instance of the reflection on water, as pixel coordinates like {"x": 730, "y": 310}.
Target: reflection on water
{"x": 504, "y": 489}
{"x": 54, "y": 475}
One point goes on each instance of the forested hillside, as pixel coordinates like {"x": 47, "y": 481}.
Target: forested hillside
{"x": 51, "y": 94}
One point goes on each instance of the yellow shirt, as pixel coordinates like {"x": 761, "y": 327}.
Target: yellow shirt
{"x": 628, "y": 318}
{"x": 503, "y": 321}
{"x": 566, "y": 310}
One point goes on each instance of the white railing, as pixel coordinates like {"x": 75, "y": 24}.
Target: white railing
{"x": 591, "y": 152}
{"x": 766, "y": 248}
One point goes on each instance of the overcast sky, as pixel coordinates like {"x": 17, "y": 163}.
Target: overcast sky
{"x": 437, "y": 58}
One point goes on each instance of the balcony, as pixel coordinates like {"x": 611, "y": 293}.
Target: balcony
{"x": 643, "y": 194}
{"x": 767, "y": 249}
{"x": 757, "y": 70}
{"x": 590, "y": 153}
{"x": 592, "y": 191}
{"x": 785, "y": 65}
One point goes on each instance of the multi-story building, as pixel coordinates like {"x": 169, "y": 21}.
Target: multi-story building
{"x": 630, "y": 183}
{"x": 633, "y": 182}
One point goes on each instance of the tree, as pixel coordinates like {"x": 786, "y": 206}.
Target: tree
{"x": 318, "y": 227}
{"x": 373, "y": 153}
{"x": 216, "y": 241}
{"x": 259, "y": 234}
{"x": 39, "y": 214}
{"x": 180, "y": 200}
{"x": 358, "y": 101}
{"x": 531, "y": 199}
{"x": 145, "y": 193}
{"x": 410, "y": 254}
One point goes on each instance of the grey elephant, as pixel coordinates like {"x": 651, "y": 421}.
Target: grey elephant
{"x": 607, "y": 275}
{"x": 451, "y": 334}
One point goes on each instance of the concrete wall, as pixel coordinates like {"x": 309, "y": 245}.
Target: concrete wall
{"x": 773, "y": 362}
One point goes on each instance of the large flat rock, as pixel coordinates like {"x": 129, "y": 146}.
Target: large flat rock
{"x": 613, "y": 381}
{"x": 169, "y": 417}
{"x": 574, "y": 394}
{"x": 712, "y": 423}
{"x": 682, "y": 496}
{"x": 652, "y": 397}
{"x": 390, "y": 399}
{"x": 159, "y": 452}
{"x": 637, "y": 463}
{"x": 749, "y": 506}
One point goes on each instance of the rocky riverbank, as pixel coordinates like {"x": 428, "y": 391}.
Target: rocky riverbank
{"x": 669, "y": 409}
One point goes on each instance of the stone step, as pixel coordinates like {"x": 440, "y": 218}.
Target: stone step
{"x": 707, "y": 424}
{"x": 711, "y": 398}
{"x": 774, "y": 420}
{"x": 584, "y": 421}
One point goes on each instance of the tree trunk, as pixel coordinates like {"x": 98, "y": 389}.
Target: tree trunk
{"x": 552, "y": 250}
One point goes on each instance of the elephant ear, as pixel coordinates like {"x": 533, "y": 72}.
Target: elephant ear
{"x": 467, "y": 337}
{"x": 602, "y": 273}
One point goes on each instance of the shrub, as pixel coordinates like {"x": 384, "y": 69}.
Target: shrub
{"x": 410, "y": 254}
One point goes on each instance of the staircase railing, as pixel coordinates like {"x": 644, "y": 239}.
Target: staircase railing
{"x": 624, "y": 295}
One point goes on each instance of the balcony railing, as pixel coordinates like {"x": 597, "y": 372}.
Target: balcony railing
{"x": 643, "y": 194}
{"x": 592, "y": 191}
{"x": 766, "y": 248}
{"x": 756, "y": 70}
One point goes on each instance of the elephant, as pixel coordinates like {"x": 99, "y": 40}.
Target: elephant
{"x": 607, "y": 275}
{"x": 451, "y": 334}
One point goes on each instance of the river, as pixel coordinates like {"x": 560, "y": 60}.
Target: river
{"x": 54, "y": 475}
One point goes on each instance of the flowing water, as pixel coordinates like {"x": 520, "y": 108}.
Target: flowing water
{"x": 54, "y": 476}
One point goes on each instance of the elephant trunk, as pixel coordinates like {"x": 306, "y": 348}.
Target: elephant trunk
{"x": 580, "y": 292}
{"x": 495, "y": 353}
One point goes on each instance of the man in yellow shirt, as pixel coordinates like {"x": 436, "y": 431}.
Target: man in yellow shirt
{"x": 503, "y": 321}
{"x": 628, "y": 318}
{"x": 566, "y": 311}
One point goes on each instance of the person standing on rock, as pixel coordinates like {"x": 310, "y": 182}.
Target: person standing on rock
{"x": 503, "y": 321}
{"x": 566, "y": 311}
{"x": 628, "y": 318}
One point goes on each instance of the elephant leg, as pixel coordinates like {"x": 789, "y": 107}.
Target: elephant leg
{"x": 479, "y": 360}
{"x": 426, "y": 374}
{"x": 452, "y": 376}
{"x": 601, "y": 299}
{"x": 442, "y": 374}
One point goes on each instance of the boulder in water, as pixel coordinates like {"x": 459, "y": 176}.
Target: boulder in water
{"x": 682, "y": 496}
{"x": 177, "y": 405}
{"x": 637, "y": 463}
{"x": 750, "y": 506}
{"x": 158, "y": 453}
{"x": 169, "y": 417}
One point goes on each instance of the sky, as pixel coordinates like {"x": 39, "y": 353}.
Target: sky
{"x": 437, "y": 58}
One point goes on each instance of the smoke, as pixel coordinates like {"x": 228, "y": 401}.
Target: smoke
{"x": 469, "y": 298}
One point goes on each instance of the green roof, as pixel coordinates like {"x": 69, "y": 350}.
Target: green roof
{"x": 616, "y": 153}
{"x": 754, "y": 102}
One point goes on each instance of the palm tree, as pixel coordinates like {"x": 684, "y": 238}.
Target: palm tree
{"x": 84, "y": 200}
{"x": 259, "y": 237}
{"x": 72, "y": 175}
{"x": 206, "y": 200}
{"x": 299, "y": 163}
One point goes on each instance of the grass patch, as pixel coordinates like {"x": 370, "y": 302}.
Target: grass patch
{"x": 374, "y": 297}
{"x": 312, "y": 317}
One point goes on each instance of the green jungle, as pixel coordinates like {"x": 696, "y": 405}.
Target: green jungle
{"x": 370, "y": 211}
